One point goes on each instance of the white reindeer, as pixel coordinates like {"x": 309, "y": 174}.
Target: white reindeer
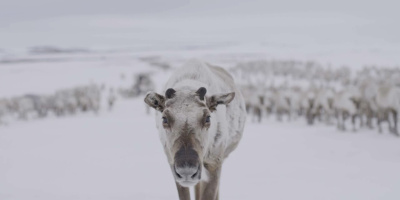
{"x": 345, "y": 105}
{"x": 323, "y": 105}
{"x": 281, "y": 103}
{"x": 388, "y": 102}
{"x": 25, "y": 106}
{"x": 199, "y": 131}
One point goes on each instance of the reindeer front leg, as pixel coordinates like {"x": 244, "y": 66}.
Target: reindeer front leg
{"x": 183, "y": 192}
{"x": 197, "y": 191}
{"x": 211, "y": 188}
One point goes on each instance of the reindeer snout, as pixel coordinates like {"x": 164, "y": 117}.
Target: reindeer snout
{"x": 187, "y": 173}
{"x": 187, "y": 167}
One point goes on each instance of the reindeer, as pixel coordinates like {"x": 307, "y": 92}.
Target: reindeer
{"x": 25, "y": 106}
{"x": 294, "y": 95}
{"x": 388, "y": 102}
{"x": 322, "y": 105}
{"x": 200, "y": 120}
{"x": 368, "y": 107}
{"x": 281, "y": 103}
{"x": 346, "y": 104}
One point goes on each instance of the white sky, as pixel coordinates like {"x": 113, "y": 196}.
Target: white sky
{"x": 90, "y": 23}
{"x": 16, "y": 10}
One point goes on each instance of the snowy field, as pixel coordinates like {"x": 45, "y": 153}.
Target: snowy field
{"x": 117, "y": 154}
{"x": 49, "y": 46}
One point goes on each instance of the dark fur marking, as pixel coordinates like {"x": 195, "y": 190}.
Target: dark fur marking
{"x": 169, "y": 117}
{"x": 202, "y": 120}
{"x": 218, "y": 134}
{"x": 202, "y": 93}
{"x": 170, "y": 93}
{"x": 186, "y": 156}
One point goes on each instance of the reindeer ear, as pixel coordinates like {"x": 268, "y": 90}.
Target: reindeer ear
{"x": 215, "y": 100}
{"x": 155, "y": 101}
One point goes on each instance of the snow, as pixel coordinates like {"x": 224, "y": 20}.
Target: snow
{"x": 117, "y": 154}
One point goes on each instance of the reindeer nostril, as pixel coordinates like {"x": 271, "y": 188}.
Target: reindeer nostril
{"x": 195, "y": 174}
{"x": 178, "y": 175}
{"x": 187, "y": 173}
{"x": 198, "y": 173}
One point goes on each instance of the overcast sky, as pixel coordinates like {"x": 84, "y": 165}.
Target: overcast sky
{"x": 115, "y": 22}
{"x": 21, "y": 10}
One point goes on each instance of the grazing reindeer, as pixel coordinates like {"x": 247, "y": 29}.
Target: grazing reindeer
{"x": 199, "y": 131}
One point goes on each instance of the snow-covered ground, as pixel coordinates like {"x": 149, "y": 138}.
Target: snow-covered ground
{"x": 46, "y": 46}
{"x": 117, "y": 155}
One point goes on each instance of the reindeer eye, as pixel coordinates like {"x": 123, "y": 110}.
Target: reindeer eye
{"x": 164, "y": 120}
{"x": 208, "y": 118}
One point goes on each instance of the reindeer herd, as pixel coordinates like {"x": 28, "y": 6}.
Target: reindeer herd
{"x": 69, "y": 101}
{"x": 317, "y": 93}
{"x": 61, "y": 103}
{"x": 288, "y": 89}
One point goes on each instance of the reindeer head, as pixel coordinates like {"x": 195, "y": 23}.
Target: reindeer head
{"x": 186, "y": 117}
